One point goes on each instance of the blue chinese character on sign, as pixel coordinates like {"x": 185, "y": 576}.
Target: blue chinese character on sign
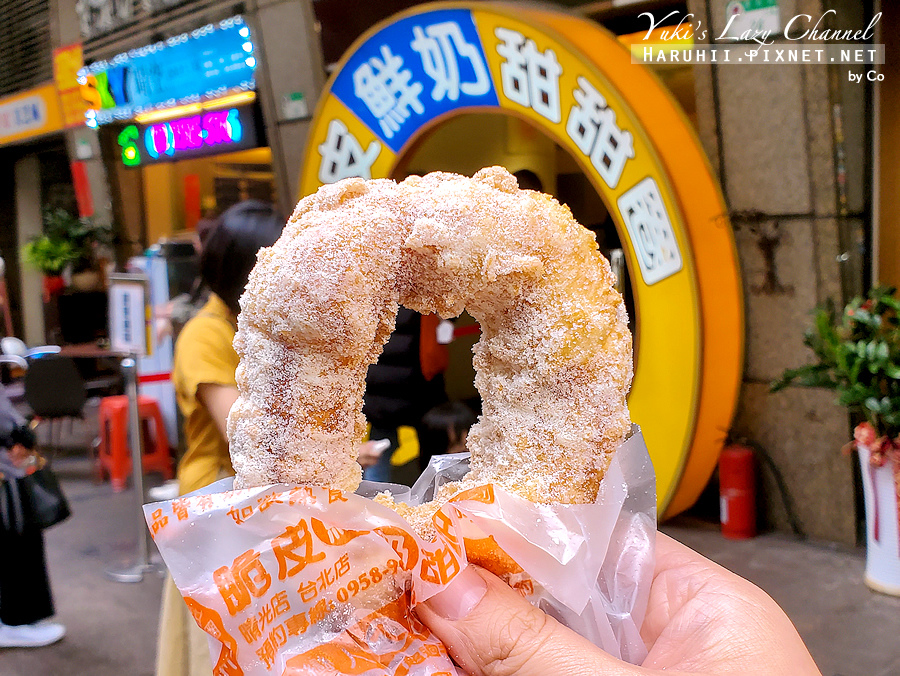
{"x": 126, "y": 323}
{"x": 415, "y": 70}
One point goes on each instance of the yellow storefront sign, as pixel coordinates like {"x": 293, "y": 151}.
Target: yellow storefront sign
{"x": 67, "y": 61}
{"x": 34, "y": 112}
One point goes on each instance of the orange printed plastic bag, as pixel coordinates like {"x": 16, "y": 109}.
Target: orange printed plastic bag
{"x": 306, "y": 580}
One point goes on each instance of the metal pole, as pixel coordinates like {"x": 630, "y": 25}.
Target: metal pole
{"x": 135, "y": 572}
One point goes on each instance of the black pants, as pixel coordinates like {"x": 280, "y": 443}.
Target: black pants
{"x": 24, "y": 587}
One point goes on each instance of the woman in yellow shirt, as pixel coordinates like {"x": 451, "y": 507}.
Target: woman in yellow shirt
{"x": 203, "y": 376}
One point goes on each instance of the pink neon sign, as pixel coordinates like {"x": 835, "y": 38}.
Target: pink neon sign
{"x": 218, "y": 127}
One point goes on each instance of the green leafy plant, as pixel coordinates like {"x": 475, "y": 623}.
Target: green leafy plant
{"x": 67, "y": 239}
{"x": 48, "y": 255}
{"x": 84, "y": 235}
{"x": 858, "y": 356}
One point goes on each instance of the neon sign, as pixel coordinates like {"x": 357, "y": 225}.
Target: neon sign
{"x": 131, "y": 156}
{"x": 205, "y": 64}
{"x": 189, "y": 133}
{"x": 192, "y": 136}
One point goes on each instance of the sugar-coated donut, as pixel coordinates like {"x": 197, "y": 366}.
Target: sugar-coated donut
{"x": 554, "y": 360}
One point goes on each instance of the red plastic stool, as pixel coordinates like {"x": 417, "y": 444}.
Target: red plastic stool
{"x": 114, "y": 456}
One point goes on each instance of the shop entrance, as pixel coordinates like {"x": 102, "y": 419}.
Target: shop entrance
{"x": 177, "y": 166}
{"x": 198, "y": 188}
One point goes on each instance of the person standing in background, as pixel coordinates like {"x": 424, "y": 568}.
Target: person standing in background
{"x": 26, "y": 601}
{"x": 172, "y": 317}
{"x": 205, "y": 389}
{"x": 406, "y": 381}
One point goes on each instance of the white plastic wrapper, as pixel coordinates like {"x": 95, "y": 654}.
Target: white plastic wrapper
{"x": 302, "y": 581}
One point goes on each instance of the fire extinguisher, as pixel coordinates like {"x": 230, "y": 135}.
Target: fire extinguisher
{"x": 737, "y": 492}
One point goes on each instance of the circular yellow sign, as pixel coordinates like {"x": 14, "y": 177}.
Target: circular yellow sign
{"x": 576, "y": 82}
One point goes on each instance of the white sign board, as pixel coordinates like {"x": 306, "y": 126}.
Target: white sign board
{"x": 128, "y": 314}
{"x": 294, "y": 107}
{"x": 22, "y": 115}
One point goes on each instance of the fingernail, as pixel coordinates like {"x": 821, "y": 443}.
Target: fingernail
{"x": 381, "y": 445}
{"x": 459, "y": 597}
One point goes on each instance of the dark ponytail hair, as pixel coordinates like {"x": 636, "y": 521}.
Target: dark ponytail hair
{"x": 229, "y": 251}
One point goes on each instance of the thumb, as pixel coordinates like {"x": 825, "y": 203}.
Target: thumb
{"x": 490, "y": 630}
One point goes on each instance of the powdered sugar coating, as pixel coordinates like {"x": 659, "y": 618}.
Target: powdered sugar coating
{"x": 553, "y": 363}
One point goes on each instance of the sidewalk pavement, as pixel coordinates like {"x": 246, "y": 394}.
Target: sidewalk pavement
{"x": 112, "y": 627}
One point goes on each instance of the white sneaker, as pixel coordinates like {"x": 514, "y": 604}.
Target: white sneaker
{"x": 168, "y": 491}
{"x": 31, "y": 635}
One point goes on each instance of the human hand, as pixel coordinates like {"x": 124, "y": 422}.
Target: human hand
{"x": 370, "y": 451}
{"x": 701, "y": 619}
{"x": 19, "y": 455}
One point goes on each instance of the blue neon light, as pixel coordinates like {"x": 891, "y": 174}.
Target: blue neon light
{"x": 192, "y": 67}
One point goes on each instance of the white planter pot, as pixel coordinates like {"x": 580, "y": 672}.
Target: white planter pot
{"x": 882, "y": 526}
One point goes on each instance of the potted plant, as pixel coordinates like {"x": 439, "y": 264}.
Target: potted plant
{"x": 68, "y": 241}
{"x": 50, "y": 256}
{"x": 857, "y": 354}
{"x": 86, "y": 236}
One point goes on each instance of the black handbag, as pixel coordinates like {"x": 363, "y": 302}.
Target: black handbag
{"x": 12, "y": 517}
{"x": 43, "y": 502}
